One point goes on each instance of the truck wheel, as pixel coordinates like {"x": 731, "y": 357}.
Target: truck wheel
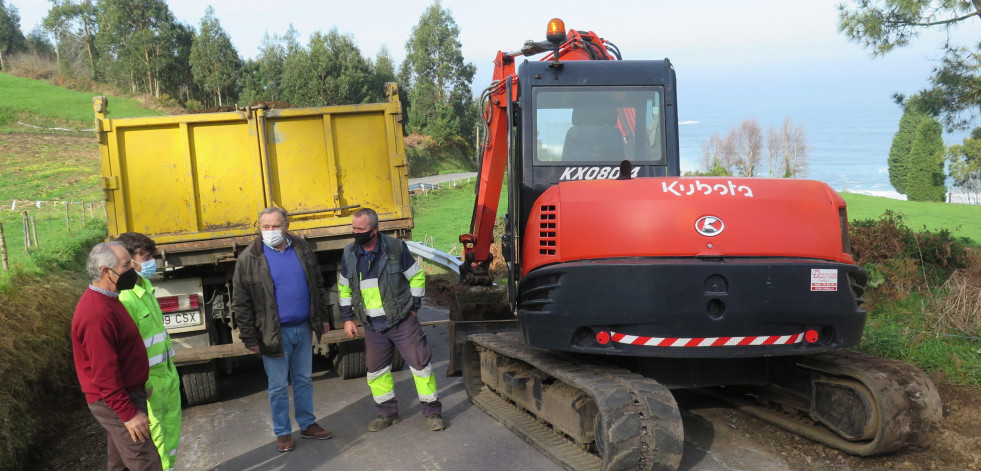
{"x": 200, "y": 382}
{"x": 349, "y": 360}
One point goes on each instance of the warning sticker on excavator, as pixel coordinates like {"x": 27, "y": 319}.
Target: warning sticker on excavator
{"x": 824, "y": 279}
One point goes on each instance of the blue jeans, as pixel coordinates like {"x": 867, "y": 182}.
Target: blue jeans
{"x": 297, "y": 362}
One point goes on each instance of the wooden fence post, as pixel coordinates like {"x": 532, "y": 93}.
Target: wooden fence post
{"x": 91, "y": 213}
{"x": 105, "y": 211}
{"x": 34, "y": 231}
{"x": 3, "y": 249}
{"x": 68, "y": 220}
{"x": 83, "y": 213}
{"x": 27, "y": 233}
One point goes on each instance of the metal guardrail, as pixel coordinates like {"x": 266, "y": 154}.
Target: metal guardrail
{"x": 436, "y": 256}
{"x": 423, "y": 186}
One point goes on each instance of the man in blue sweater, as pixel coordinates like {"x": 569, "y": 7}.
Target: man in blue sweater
{"x": 278, "y": 300}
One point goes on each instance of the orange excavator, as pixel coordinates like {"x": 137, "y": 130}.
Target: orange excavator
{"x": 626, "y": 280}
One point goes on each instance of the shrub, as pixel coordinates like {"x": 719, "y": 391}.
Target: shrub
{"x": 426, "y": 157}
{"x": 193, "y": 106}
{"x": 903, "y": 261}
{"x": 31, "y": 66}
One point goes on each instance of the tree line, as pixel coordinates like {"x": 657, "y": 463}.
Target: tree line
{"x": 140, "y": 46}
{"x": 745, "y": 151}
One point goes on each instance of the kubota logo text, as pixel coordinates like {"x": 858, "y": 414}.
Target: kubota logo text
{"x": 686, "y": 189}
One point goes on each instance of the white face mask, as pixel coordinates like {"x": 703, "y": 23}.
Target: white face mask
{"x": 272, "y": 238}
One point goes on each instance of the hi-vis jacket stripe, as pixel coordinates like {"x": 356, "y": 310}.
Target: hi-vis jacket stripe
{"x": 417, "y": 280}
{"x": 371, "y": 294}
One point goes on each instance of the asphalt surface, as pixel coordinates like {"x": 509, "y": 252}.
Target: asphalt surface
{"x": 437, "y": 179}
{"x": 236, "y": 433}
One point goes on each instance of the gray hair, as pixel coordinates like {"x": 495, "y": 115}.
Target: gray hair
{"x": 102, "y": 255}
{"x": 371, "y": 214}
{"x": 273, "y": 209}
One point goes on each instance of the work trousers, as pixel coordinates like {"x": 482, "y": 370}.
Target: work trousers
{"x": 164, "y": 409}
{"x": 408, "y": 338}
{"x": 124, "y": 453}
{"x": 295, "y": 366}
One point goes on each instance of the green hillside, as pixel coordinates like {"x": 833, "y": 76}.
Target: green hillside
{"x": 42, "y": 104}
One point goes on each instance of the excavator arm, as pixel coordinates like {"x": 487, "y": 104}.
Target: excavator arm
{"x": 558, "y": 47}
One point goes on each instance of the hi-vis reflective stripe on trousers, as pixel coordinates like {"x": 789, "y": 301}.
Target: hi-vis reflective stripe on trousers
{"x": 382, "y": 384}
{"x": 425, "y": 383}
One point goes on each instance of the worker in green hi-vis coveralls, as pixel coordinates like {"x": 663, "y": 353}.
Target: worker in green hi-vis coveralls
{"x": 163, "y": 386}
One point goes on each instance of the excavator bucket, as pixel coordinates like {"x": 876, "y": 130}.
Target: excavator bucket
{"x": 477, "y": 309}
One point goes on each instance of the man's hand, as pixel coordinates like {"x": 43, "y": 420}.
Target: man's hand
{"x": 324, "y": 334}
{"x": 351, "y": 329}
{"x": 138, "y": 427}
{"x": 254, "y": 349}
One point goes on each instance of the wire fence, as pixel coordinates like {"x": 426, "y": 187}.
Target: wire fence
{"x": 82, "y": 211}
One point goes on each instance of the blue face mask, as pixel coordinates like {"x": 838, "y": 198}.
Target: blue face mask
{"x": 148, "y": 268}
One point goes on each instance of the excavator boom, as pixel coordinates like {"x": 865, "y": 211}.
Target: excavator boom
{"x": 494, "y": 148}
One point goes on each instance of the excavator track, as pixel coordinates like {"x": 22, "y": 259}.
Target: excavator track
{"x": 859, "y": 404}
{"x": 626, "y": 421}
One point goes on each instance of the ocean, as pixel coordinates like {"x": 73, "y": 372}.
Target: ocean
{"x": 849, "y": 127}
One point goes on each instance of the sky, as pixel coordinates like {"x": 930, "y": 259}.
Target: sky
{"x": 707, "y": 41}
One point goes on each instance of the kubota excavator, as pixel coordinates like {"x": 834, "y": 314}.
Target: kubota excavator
{"x": 626, "y": 280}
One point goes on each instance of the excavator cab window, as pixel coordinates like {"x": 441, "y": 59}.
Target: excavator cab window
{"x": 598, "y": 125}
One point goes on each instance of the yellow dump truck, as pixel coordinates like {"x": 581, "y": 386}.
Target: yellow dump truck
{"x": 195, "y": 184}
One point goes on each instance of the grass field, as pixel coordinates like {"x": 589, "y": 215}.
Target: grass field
{"x": 961, "y": 220}
{"x": 39, "y": 103}
{"x": 443, "y": 214}
{"x": 42, "y": 173}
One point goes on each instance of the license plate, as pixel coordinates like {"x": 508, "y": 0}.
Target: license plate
{"x": 181, "y": 319}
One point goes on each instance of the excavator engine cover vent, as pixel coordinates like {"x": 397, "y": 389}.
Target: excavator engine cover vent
{"x": 547, "y": 231}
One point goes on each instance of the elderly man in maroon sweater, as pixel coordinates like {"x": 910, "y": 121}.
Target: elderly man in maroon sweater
{"x": 111, "y": 361}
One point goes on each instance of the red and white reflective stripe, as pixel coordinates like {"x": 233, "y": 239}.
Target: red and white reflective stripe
{"x": 707, "y": 341}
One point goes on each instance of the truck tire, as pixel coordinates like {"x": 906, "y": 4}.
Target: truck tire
{"x": 200, "y": 382}
{"x": 349, "y": 360}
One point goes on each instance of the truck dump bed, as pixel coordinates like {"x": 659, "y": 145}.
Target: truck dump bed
{"x": 195, "y": 183}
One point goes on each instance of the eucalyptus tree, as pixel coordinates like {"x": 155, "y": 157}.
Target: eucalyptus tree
{"x": 341, "y": 74}
{"x": 215, "y": 64}
{"x": 136, "y": 40}
{"x": 74, "y": 25}
{"x": 437, "y": 77}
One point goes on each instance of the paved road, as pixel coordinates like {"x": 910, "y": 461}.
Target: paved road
{"x": 236, "y": 434}
{"x": 449, "y": 177}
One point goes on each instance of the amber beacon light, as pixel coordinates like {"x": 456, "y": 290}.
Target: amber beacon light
{"x": 555, "y": 33}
